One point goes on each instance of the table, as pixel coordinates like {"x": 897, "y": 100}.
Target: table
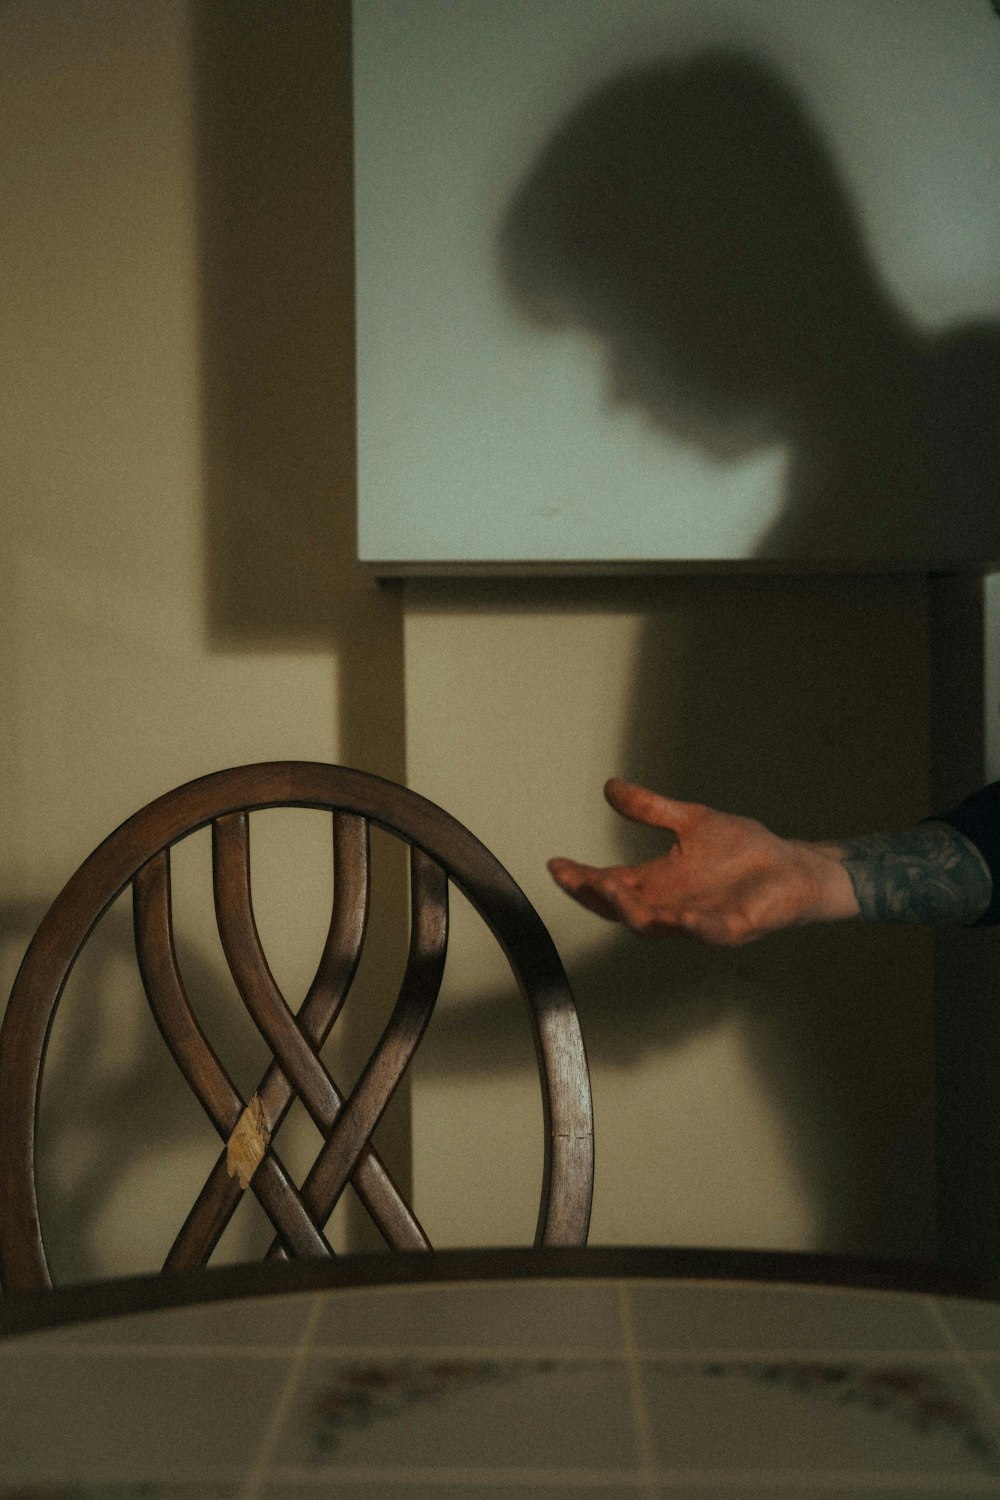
{"x": 566, "y": 1373}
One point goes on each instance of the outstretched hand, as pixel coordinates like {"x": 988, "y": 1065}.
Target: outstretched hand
{"x": 721, "y": 878}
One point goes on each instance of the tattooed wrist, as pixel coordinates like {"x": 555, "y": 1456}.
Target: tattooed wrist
{"x": 931, "y": 873}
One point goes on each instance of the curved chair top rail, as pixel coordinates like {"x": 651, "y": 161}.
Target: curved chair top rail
{"x": 568, "y": 1170}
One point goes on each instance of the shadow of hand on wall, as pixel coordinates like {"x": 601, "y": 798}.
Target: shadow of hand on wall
{"x": 690, "y": 217}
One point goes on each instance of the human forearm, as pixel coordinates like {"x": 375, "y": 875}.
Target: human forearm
{"x": 930, "y": 874}
{"x": 729, "y": 880}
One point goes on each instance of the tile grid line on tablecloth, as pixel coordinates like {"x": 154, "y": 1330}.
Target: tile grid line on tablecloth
{"x": 513, "y": 1352}
{"x": 973, "y": 1366}
{"x": 265, "y": 1452}
{"x": 733, "y": 1484}
{"x": 640, "y": 1413}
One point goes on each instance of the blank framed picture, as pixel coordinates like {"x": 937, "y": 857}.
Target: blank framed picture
{"x": 647, "y": 283}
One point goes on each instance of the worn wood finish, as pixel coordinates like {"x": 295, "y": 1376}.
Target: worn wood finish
{"x": 441, "y": 850}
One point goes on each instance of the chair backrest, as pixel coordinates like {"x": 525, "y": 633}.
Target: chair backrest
{"x": 440, "y": 850}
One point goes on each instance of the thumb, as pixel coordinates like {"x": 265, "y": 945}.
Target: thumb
{"x": 645, "y": 806}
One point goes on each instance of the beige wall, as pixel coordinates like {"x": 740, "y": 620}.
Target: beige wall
{"x": 777, "y": 1095}
{"x": 177, "y": 498}
{"x": 177, "y": 489}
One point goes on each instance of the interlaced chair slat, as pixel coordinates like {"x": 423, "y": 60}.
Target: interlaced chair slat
{"x": 286, "y": 1035}
{"x": 264, "y": 1001}
{"x": 417, "y": 996}
{"x": 338, "y": 963}
{"x": 208, "y": 1080}
{"x": 441, "y": 850}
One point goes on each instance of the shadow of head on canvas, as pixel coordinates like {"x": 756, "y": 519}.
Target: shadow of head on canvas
{"x": 690, "y": 217}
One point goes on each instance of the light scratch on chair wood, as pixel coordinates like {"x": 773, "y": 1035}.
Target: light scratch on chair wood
{"x": 247, "y": 1144}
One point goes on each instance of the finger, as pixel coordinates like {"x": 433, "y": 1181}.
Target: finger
{"x": 575, "y": 878}
{"x": 643, "y": 805}
{"x": 596, "y": 902}
{"x": 585, "y": 885}
{"x": 569, "y": 872}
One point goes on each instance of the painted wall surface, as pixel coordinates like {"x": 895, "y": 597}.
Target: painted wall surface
{"x": 176, "y": 482}
{"x": 789, "y": 352}
{"x": 776, "y": 1095}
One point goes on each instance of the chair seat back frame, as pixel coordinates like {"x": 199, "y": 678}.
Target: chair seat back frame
{"x": 441, "y": 849}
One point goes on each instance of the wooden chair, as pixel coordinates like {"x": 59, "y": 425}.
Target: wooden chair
{"x": 440, "y": 850}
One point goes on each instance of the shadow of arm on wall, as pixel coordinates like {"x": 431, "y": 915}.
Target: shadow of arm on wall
{"x": 275, "y": 235}
{"x": 633, "y": 997}
{"x": 818, "y": 1045}
{"x": 274, "y": 164}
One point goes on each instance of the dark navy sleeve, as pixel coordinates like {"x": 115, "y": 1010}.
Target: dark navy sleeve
{"x": 978, "y": 817}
